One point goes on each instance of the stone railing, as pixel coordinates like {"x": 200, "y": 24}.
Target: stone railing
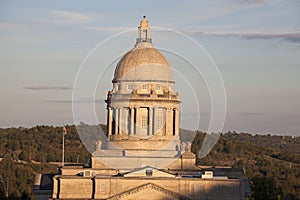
{"x": 149, "y": 40}
{"x": 144, "y": 96}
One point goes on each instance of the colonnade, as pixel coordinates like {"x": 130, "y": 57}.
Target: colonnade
{"x": 142, "y": 121}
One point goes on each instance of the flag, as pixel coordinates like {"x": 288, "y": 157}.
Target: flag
{"x": 65, "y": 131}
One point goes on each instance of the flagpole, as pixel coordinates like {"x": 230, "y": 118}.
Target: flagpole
{"x": 63, "y": 148}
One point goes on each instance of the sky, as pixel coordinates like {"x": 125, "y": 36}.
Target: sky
{"x": 255, "y": 45}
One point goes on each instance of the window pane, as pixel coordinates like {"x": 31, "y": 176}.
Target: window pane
{"x": 144, "y": 122}
{"x": 102, "y": 187}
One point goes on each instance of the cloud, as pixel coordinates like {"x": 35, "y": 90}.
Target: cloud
{"x": 290, "y": 37}
{"x": 195, "y": 114}
{"x": 110, "y": 29}
{"x": 79, "y": 100}
{"x": 36, "y": 88}
{"x": 58, "y": 101}
{"x": 61, "y": 17}
{"x": 216, "y": 9}
{"x": 12, "y": 27}
{"x": 259, "y": 1}
{"x": 255, "y": 1}
{"x": 251, "y": 113}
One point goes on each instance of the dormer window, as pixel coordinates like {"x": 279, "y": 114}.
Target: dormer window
{"x": 149, "y": 172}
{"x": 158, "y": 87}
{"x": 144, "y": 87}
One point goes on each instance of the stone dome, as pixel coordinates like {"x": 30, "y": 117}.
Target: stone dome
{"x": 144, "y": 63}
{"x": 143, "y": 103}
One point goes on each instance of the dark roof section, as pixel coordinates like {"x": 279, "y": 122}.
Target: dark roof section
{"x": 47, "y": 182}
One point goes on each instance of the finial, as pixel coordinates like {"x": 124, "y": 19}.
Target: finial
{"x": 144, "y": 31}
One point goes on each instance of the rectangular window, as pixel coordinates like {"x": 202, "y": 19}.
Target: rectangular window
{"x": 144, "y": 122}
{"x": 102, "y": 187}
{"x": 129, "y": 87}
{"x": 158, "y": 122}
{"x": 197, "y": 188}
{"x": 144, "y": 87}
{"x": 87, "y": 173}
{"x": 158, "y": 87}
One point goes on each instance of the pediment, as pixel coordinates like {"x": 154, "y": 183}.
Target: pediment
{"x": 148, "y": 172}
{"x": 148, "y": 191}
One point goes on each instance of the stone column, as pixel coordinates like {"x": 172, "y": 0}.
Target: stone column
{"x": 121, "y": 119}
{"x": 176, "y": 122}
{"x": 116, "y": 121}
{"x": 150, "y": 126}
{"x": 154, "y": 120}
{"x": 165, "y": 116}
{"x": 132, "y": 121}
{"x": 125, "y": 127}
{"x": 140, "y": 33}
{"x": 109, "y": 121}
{"x": 148, "y": 33}
{"x": 137, "y": 122}
{"x": 169, "y": 120}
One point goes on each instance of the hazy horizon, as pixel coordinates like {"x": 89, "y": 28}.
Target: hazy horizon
{"x": 255, "y": 44}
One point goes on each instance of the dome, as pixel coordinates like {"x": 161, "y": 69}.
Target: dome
{"x": 144, "y": 62}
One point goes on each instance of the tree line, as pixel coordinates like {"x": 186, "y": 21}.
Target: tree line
{"x": 272, "y": 163}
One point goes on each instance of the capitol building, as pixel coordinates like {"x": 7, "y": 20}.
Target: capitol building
{"x": 142, "y": 156}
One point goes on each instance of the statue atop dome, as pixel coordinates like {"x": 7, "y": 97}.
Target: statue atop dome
{"x": 144, "y": 22}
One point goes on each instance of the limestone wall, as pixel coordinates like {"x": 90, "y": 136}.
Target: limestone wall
{"x": 134, "y": 187}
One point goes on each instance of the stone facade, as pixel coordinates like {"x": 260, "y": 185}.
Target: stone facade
{"x": 145, "y": 187}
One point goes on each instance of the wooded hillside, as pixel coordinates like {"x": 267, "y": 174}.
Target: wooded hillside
{"x": 271, "y": 162}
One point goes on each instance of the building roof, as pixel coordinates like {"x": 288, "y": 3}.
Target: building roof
{"x": 44, "y": 182}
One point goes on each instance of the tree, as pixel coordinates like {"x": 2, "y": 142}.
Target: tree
{"x": 265, "y": 189}
{"x": 6, "y": 176}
